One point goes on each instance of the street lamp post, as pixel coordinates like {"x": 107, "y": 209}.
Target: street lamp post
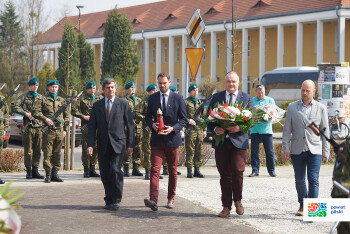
{"x": 79, "y": 6}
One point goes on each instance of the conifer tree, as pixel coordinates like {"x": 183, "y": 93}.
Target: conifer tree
{"x": 45, "y": 74}
{"x": 87, "y": 60}
{"x": 119, "y": 58}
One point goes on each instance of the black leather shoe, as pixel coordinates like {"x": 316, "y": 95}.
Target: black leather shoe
{"x": 165, "y": 170}
{"x": 48, "y": 177}
{"x": 272, "y": 174}
{"x": 189, "y": 172}
{"x": 151, "y": 204}
{"x": 135, "y": 170}
{"x": 107, "y": 206}
{"x": 86, "y": 172}
{"x": 92, "y": 172}
{"x": 29, "y": 174}
{"x": 36, "y": 174}
{"x": 147, "y": 174}
{"x": 197, "y": 173}
{"x": 114, "y": 207}
{"x": 161, "y": 177}
{"x": 178, "y": 173}
{"x": 126, "y": 170}
{"x": 253, "y": 174}
{"x": 55, "y": 177}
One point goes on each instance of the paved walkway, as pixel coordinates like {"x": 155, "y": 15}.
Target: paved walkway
{"x": 75, "y": 206}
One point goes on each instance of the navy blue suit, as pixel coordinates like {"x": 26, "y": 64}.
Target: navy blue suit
{"x": 176, "y": 117}
{"x": 231, "y": 155}
{"x": 238, "y": 139}
{"x": 165, "y": 145}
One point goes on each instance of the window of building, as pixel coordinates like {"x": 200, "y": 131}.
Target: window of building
{"x": 142, "y": 54}
{"x": 165, "y": 53}
{"x": 248, "y": 46}
{"x": 203, "y": 44}
{"x": 248, "y": 82}
{"x": 217, "y": 49}
{"x": 177, "y": 83}
{"x": 153, "y": 54}
{"x": 336, "y": 42}
{"x": 177, "y": 51}
{"x": 218, "y": 79}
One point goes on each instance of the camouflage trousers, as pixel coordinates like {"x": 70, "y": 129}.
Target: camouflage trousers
{"x": 1, "y": 142}
{"x": 193, "y": 145}
{"x": 136, "y": 154}
{"x": 32, "y": 139}
{"x": 85, "y": 158}
{"x": 52, "y": 145}
{"x": 146, "y": 147}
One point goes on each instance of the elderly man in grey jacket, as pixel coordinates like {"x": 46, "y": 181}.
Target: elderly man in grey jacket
{"x": 302, "y": 145}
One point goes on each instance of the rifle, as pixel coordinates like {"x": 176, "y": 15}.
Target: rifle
{"x": 2, "y": 103}
{"x": 2, "y": 86}
{"x": 60, "y": 111}
{"x": 318, "y": 131}
{"x": 33, "y": 122}
{"x": 198, "y": 112}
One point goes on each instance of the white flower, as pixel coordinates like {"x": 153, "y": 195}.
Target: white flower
{"x": 266, "y": 117}
{"x": 247, "y": 113}
{"x": 234, "y": 110}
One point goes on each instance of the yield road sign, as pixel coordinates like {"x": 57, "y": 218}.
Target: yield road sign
{"x": 195, "y": 27}
{"x": 194, "y": 58}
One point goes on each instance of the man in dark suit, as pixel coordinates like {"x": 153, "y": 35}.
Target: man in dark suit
{"x": 112, "y": 120}
{"x": 175, "y": 118}
{"x": 230, "y": 156}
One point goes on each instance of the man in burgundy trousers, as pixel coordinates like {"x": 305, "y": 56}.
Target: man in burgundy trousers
{"x": 231, "y": 155}
{"x": 165, "y": 144}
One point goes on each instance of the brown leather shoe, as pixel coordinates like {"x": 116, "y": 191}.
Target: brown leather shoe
{"x": 225, "y": 212}
{"x": 151, "y": 204}
{"x": 300, "y": 212}
{"x": 170, "y": 204}
{"x": 239, "y": 208}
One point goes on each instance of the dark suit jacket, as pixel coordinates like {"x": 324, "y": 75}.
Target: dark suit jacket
{"x": 238, "y": 139}
{"x": 119, "y": 129}
{"x": 176, "y": 117}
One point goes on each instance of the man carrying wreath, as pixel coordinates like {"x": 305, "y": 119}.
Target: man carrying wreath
{"x": 230, "y": 155}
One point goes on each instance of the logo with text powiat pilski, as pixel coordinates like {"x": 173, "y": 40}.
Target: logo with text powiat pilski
{"x": 317, "y": 209}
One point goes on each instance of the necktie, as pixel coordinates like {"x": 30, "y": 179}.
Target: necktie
{"x": 108, "y": 109}
{"x": 230, "y": 102}
{"x": 164, "y": 105}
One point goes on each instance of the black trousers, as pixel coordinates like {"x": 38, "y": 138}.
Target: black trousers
{"x": 112, "y": 178}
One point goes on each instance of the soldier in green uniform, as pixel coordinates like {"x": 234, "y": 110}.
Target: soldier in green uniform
{"x": 44, "y": 109}
{"x": 193, "y": 137}
{"x": 81, "y": 109}
{"x": 32, "y": 136}
{"x": 4, "y": 123}
{"x": 146, "y": 132}
{"x": 136, "y": 154}
{"x": 341, "y": 173}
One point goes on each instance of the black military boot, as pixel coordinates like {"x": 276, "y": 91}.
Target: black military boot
{"x": 189, "y": 172}
{"x": 36, "y": 174}
{"x": 147, "y": 174}
{"x": 93, "y": 172}
{"x": 86, "y": 172}
{"x": 2, "y": 182}
{"x": 135, "y": 170}
{"x": 126, "y": 170}
{"x": 48, "y": 177}
{"x": 197, "y": 173}
{"x": 165, "y": 170}
{"x": 29, "y": 173}
{"x": 55, "y": 177}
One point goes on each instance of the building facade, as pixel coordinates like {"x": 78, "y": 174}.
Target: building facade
{"x": 268, "y": 34}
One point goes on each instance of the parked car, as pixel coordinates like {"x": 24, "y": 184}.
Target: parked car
{"x": 6, "y": 137}
{"x": 16, "y": 124}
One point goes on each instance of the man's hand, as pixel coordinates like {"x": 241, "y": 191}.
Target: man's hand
{"x": 64, "y": 133}
{"x": 168, "y": 129}
{"x": 87, "y": 117}
{"x": 29, "y": 116}
{"x": 192, "y": 122}
{"x": 324, "y": 159}
{"x": 129, "y": 150}
{"x": 286, "y": 156}
{"x": 233, "y": 129}
{"x": 48, "y": 122}
{"x": 204, "y": 134}
{"x": 89, "y": 151}
{"x": 219, "y": 131}
{"x": 155, "y": 126}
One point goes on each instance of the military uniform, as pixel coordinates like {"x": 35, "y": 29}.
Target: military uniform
{"x": 4, "y": 123}
{"x": 136, "y": 154}
{"x": 193, "y": 136}
{"x": 341, "y": 173}
{"x": 80, "y": 109}
{"x": 32, "y": 136}
{"x": 46, "y": 107}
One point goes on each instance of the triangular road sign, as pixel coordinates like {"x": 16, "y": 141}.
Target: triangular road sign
{"x": 194, "y": 58}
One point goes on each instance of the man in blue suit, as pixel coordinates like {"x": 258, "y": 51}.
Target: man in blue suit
{"x": 165, "y": 145}
{"x": 230, "y": 156}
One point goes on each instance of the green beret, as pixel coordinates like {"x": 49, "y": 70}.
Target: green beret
{"x": 34, "y": 80}
{"x": 192, "y": 87}
{"x": 53, "y": 82}
{"x": 90, "y": 84}
{"x": 172, "y": 88}
{"x": 129, "y": 84}
{"x": 151, "y": 87}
